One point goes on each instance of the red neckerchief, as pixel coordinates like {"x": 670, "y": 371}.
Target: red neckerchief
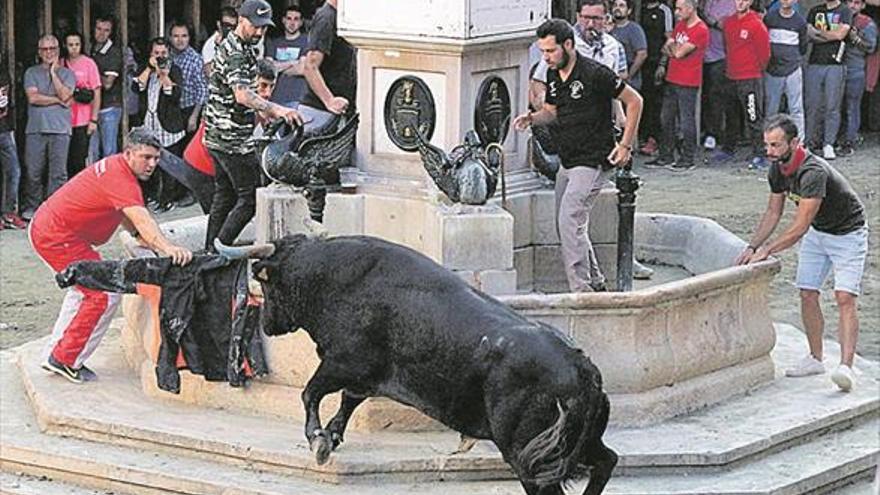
{"x": 797, "y": 159}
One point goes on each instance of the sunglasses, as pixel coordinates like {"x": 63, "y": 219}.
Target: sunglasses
{"x": 48, "y": 48}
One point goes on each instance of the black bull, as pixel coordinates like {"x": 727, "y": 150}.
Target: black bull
{"x": 388, "y": 321}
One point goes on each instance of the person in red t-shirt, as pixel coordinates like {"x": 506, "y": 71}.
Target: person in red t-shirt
{"x": 748, "y": 51}
{"x": 83, "y": 213}
{"x": 684, "y": 51}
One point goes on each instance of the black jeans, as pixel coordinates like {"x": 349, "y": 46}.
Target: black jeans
{"x": 750, "y": 95}
{"x": 235, "y": 196}
{"x": 679, "y": 103}
{"x": 720, "y": 115}
{"x": 653, "y": 96}
{"x": 78, "y": 152}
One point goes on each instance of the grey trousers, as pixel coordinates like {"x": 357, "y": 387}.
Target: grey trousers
{"x": 823, "y": 96}
{"x": 576, "y": 192}
{"x": 42, "y": 152}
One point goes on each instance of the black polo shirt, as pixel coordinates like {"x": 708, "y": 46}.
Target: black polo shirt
{"x": 585, "y": 130}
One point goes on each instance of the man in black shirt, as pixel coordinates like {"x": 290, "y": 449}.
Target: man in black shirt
{"x": 329, "y": 69}
{"x": 579, "y": 98}
{"x": 108, "y": 57}
{"x": 830, "y": 223}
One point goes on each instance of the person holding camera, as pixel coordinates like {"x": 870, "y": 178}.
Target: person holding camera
{"x": 49, "y": 89}
{"x": 86, "y": 102}
{"x": 159, "y": 85}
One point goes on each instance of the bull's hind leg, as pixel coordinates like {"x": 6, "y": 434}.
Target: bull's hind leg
{"x": 337, "y": 425}
{"x": 601, "y": 460}
{"x": 326, "y": 380}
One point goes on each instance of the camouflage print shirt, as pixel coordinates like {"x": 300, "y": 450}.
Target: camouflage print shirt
{"x": 230, "y": 125}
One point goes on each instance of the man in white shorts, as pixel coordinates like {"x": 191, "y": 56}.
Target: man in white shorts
{"x": 830, "y": 222}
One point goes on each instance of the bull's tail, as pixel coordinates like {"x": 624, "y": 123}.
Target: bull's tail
{"x": 552, "y": 457}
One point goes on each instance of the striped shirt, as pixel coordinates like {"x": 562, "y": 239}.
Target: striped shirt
{"x": 230, "y": 125}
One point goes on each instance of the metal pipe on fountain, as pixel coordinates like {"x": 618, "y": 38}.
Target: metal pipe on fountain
{"x": 627, "y": 183}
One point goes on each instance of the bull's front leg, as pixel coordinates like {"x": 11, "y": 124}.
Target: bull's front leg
{"x": 326, "y": 380}
{"x": 337, "y": 425}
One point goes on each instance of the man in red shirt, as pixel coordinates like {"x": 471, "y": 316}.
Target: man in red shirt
{"x": 748, "y": 51}
{"x": 83, "y": 213}
{"x": 684, "y": 51}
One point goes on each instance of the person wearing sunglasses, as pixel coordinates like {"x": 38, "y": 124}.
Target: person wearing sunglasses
{"x": 49, "y": 88}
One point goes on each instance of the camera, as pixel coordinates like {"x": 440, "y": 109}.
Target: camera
{"x": 162, "y": 63}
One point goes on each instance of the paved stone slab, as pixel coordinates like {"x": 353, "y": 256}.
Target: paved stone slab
{"x": 812, "y": 467}
{"x": 114, "y": 410}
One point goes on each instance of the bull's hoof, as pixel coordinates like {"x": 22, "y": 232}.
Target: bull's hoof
{"x": 321, "y": 446}
{"x": 336, "y": 438}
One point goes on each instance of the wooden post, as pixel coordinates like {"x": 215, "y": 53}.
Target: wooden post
{"x": 195, "y": 18}
{"x": 154, "y": 17}
{"x": 122, "y": 38}
{"x": 45, "y": 24}
{"x": 85, "y": 19}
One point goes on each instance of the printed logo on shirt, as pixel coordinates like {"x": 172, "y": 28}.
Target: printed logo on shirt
{"x": 287, "y": 53}
{"x": 100, "y": 168}
{"x": 744, "y": 34}
{"x": 682, "y": 38}
{"x": 795, "y": 198}
{"x": 577, "y": 90}
{"x": 827, "y": 21}
{"x": 553, "y": 88}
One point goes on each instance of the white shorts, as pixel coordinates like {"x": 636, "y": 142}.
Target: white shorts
{"x": 820, "y": 252}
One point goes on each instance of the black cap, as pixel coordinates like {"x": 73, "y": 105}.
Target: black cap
{"x": 259, "y": 12}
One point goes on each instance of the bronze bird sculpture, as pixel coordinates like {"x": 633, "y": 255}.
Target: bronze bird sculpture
{"x": 468, "y": 174}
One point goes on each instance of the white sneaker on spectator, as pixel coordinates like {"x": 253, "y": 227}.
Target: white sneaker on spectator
{"x": 844, "y": 378}
{"x": 806, "y": 367}
{"x": 709, "y": 143}
{"x": 828, "y": 152}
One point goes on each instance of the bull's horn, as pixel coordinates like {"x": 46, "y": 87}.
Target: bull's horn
{"x": 239, "y": 252}
{"x": 315, "y": 229}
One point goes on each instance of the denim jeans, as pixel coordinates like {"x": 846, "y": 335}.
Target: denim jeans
{"x": 104, "y": 141}
{"x": 11, "y": 172}
{"x": 792, "y": 86}
{"x": 855, "y": 88}
{"x": 823, "y": 92}
{"x": 679, "y": 103}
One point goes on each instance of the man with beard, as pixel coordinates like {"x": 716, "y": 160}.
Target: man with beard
{"x": 830, "y": 223}
{"x": 230, "y": 120}
{"x": 580, "y": 93}
{"x": 632, "y": 37}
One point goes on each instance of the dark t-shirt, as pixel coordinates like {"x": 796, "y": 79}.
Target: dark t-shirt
{"x": 7, "y": 118}
{"x": 339, "y": 68}
{"x": 841, "y": 211}
{"x": 583, "y": 112}
{"x": 281, "y": 49}
{"x": 825, "y": 19}
{"x": 109, "y": 61}
{"x": 788, "y": 38}
{"x": 656, "y": 22}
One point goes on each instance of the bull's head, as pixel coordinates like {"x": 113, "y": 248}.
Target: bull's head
{"x": 280, "y": 295}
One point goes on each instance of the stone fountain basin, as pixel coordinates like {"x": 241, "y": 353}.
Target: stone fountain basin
{"x": 671, "y": 348}
{"x": 664, "y": 350}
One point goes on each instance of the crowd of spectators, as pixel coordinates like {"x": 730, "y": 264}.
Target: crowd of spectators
{"x": 75, "y": 102}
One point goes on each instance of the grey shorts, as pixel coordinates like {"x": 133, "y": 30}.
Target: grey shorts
{"x": 846, "y": 254}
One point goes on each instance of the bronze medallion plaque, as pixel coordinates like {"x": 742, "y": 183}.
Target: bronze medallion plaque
{"x": 492, "y": 111}
{"x": 409, "y": 108}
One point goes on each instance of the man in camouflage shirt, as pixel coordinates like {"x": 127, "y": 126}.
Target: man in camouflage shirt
{"x": 230, "y": 121}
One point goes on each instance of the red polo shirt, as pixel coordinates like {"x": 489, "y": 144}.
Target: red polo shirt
{"x": 748, "y": 46}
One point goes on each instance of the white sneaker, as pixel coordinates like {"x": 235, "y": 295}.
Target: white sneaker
{"x": 709, "y": 143}
{"x": 806, "y": 367}
{"x": 641, "y": 272}
{"x": 828, "y": 152}
{"x": 844, "y": 378}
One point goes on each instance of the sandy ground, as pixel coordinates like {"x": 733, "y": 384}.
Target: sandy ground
{"x": 730, "y": 194}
